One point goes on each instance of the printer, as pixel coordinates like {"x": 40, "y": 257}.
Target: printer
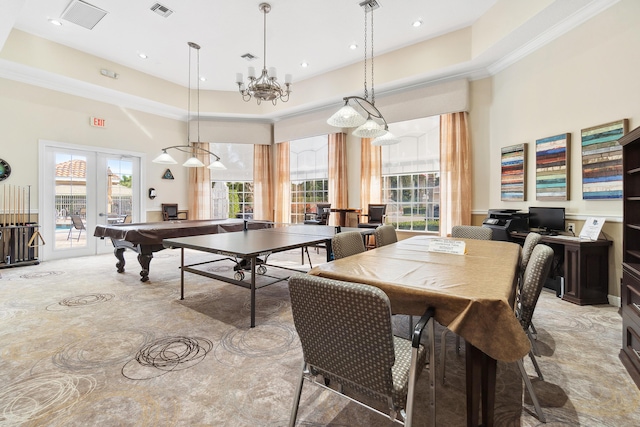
{"x": 505, "y": 221}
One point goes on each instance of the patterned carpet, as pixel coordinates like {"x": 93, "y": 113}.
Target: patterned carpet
{"x": 83, "y": 345}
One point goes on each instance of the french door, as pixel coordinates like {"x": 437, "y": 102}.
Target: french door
{"x": 81, "y": 187}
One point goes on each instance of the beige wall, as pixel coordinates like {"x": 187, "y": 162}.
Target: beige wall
{"x": 587, "y": 77}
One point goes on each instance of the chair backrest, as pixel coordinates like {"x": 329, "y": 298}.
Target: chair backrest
{"x": 169, "y": 211}
{"x": 345, "y": 331}
{"x": 535, "y": 276}
{"x": 385, "y": 235}
{"x": 346, "y": 244}
{"x": 376, "y": 213}
{"x": 323, "y": 210}
{"x": 471, "y": 232}
{"x": 77, "y": 222}
{"x": 530, "y": 242}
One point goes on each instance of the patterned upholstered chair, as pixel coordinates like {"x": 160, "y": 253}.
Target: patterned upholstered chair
{"x": 385, "y": 235}
{"x": 530, "y": 242}
{"x": 533, "y": 281}
{"x": 461, "y": 232}
{"x": 471, "y": 232}
{"x": 346, "y": 244}
{"x": 355, "y": 350}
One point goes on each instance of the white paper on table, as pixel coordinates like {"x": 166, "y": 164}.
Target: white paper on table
{"x": 457, "y": 247}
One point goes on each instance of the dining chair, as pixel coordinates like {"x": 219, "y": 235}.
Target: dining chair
{"x": 534, "y": 277}
{"x": 346, "y": 334}
{"x": 385, "y": 235}
{"x": 170, "y": 212}
{"x": 320, "y": 216}
{"x": 471, "y": 232}
{"x": 375, "y": 218}
{"x": 530, "y": 242}
{"x": 346, "y": 244}
{"x": 461, "y": 232}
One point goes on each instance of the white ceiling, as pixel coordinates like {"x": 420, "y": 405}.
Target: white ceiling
{"x": 318, "y": 32}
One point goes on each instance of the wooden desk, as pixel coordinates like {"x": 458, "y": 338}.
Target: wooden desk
{"x": 585, "y": 265}
{"x": 473, "y": 295}
{"x": 342, "y": 214}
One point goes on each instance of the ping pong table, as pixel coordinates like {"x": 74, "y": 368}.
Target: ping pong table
{"x": 252, "y": 249}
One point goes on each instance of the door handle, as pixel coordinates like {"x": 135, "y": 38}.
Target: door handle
{"x": 102, "y": 214}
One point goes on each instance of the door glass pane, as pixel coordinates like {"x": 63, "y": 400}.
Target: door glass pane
{"x": 119, "y": 182}
{"x": 70, "y": 201}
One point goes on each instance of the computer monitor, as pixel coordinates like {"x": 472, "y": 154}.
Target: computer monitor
{"x": 546, "y": 220}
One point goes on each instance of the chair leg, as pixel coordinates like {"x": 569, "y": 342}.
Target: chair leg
{"x": 432, "y": 378}
{"x": 296, "y": 397}
{"x": 443, "y": 349}
{"x": 532, "y": 393}
{"x": 69, "y": 235}
{"x": 79, "y": 234}
{"x": 534, "y": 345}
{"x": 535, "y": 365}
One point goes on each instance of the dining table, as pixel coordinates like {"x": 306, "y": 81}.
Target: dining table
{"x": 473, "y": 293}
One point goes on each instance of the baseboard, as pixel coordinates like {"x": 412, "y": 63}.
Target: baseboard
{"x": 614, "y": 300}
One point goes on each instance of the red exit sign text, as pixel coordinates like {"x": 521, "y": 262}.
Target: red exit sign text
{"x": 98, "y": 122}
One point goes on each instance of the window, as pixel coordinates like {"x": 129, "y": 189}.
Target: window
{"x": 232, "y": 189}
{"x": 309, "y": 174}
{"x": 411, "y": 175}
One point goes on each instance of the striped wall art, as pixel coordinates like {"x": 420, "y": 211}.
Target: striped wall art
{"x": 513, "y": 182}
{"x": 602, "y": 161}
{"x": 552, "y": 167}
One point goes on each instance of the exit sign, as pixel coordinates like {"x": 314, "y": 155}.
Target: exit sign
{"x": 98, "y": 122}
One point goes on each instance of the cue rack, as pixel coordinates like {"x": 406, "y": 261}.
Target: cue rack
{"x": 19, "y": 237}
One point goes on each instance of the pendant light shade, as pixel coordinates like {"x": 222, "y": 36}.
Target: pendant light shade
{"x": 370, "y": 129}
{"x": 386, "y": 139}
{"x": 346, "y": 117}
{"x": 165, "y": 159}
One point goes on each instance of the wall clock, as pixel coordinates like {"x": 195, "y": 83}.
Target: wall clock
{"x": 5, "y": 170}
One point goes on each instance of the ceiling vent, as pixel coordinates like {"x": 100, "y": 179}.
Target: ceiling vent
{"x": 161, "y": 10}
{"x": 248, "y": 57}
{"x": 83, "y": 14}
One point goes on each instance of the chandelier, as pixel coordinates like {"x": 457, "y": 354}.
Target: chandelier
{"x": 366, "y": 118}
{"x": 193, "y": 162}
{"x": 265, "y": 87}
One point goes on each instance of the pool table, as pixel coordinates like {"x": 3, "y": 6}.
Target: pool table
{"x": 145, "y": 238}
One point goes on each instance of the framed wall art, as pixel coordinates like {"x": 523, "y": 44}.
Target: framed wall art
{"x": 552, "y": 167}
{"x": 513, "y": 180}
{"x": 602, "y": 160}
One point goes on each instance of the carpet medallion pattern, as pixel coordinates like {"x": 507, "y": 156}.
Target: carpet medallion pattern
{"x": 81, "y": 344}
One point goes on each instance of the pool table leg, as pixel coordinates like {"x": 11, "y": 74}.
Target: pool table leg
{"x": 144, "y": 259}
{"x": 119, "y": 253}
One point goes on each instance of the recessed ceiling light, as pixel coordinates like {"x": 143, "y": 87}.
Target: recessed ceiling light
{"x": 142, "y": 55}
{"x": 203, "y": 79}
{"x": 353, "y": 46}
{"x": 55, "y": 22}
{"x": 304, "y": 64}
{"x": 417, "y": 23}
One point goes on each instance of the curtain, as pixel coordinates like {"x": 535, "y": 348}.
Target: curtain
{"x": 338, "y": 194}
{"x": 200, "y": 184}
{"x": 283, "y": 184}
{"x": 455, "y": 172}
{"x": 371, "y": 173}
{"x": 262, "y": 190}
